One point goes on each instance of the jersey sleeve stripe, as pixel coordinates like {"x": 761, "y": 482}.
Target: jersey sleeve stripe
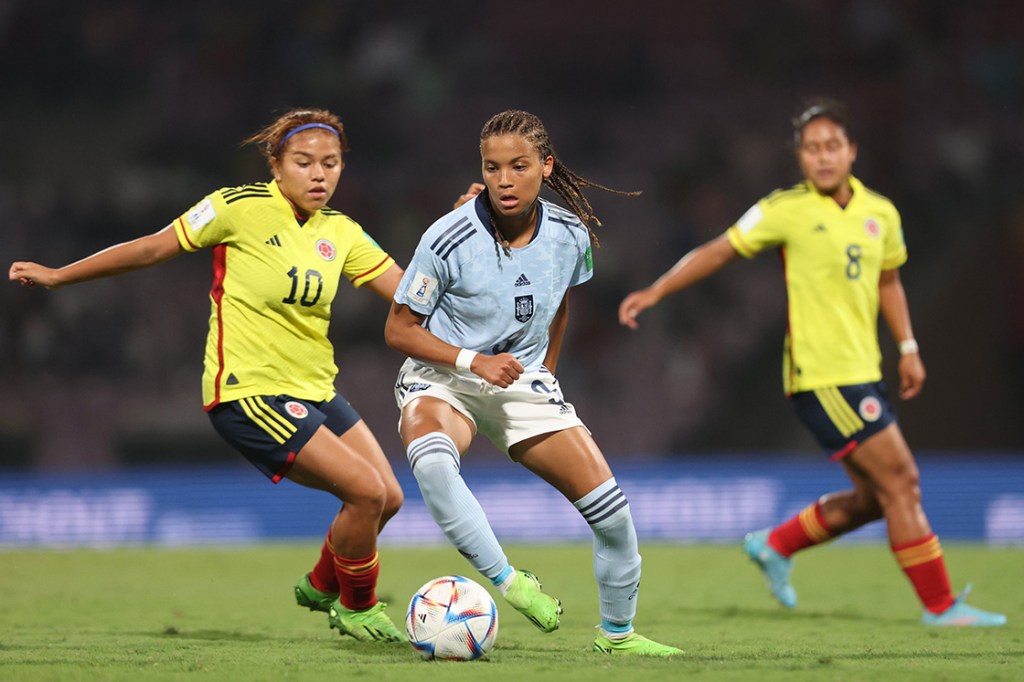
{"x": 736, "y": 239}
{"x": 249, "y": 195}
{"x": 452, "y": 237}
{"x": 791, "y": 193}
{"x": 246, "y": 191}
{"x": 444, "y": 256}
{"x": 183, "y": 231}
{"x": 449, "y": 233}
{"x": 876, "y": 194}
{"x": 388, "y": 260}
{"x": 564, "y": 221}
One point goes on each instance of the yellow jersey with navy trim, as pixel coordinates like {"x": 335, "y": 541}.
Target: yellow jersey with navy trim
{"x": 274, "y": 280}
{"x": 833, "y": 258}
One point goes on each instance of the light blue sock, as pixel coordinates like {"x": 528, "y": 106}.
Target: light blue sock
{"x": 435, "y": 464}
{"x": 501, "y": 578}
{"x": 616, "y": 555}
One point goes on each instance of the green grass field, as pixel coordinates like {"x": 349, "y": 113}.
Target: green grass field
{"x": 203, "y": 614}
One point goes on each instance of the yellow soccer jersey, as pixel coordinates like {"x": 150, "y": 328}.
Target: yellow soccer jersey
{"x": 833, "y": 259}
{"x": 273, "y": 284}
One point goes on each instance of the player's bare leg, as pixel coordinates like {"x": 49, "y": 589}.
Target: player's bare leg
{"x": 350, "y": 468}
{"x": 886, "y": 461}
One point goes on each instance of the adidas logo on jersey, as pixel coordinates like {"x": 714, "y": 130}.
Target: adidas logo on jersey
{"x": 273, "y": 241}
{"x": 522, "y": 281}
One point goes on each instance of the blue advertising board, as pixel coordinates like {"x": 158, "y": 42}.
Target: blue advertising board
{"x": 708, "y": 498}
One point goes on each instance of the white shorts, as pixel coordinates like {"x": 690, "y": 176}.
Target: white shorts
{"x": 531, "y": 406}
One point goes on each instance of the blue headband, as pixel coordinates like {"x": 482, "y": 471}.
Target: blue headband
{"x": 305, "y": 126}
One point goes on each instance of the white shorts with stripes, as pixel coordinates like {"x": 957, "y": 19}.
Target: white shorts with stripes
{"x": 531, "y": 406}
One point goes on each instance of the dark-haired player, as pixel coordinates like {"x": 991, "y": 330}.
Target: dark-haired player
{"x": 278, "y": 254}
{"x": 841, "y": 245}
{"x": 481, "y": 313}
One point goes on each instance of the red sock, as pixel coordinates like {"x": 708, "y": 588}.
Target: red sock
{"x": 804, "y": 530}
{"x": 923, "y": 563}
{"x": 322, "y": 577}
{"x": 357, "y": 581}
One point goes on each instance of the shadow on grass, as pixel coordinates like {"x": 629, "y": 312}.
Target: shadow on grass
{"x": 860, "y": 656}
{"x": 228, "y": 636}
{"x": 212, "y": 635}
{"x": 778, "y": 614}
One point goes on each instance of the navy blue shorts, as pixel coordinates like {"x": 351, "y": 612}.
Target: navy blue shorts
{"x": 271, "y": 429}
{"x": 843, "y": 417}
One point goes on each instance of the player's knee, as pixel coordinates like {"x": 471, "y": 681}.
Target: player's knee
{"x": 865, "y": 509}
{"x": 900, "y": 487}
{"x": 369, "y": 498}
{"x": 907, "y": 482}
{"x": 393, "y": 502}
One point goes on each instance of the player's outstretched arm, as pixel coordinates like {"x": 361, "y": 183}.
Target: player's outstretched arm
{"x": 114, "y": 260}
{"x": 385, "y": 285}
{"x": 702, "y": 262}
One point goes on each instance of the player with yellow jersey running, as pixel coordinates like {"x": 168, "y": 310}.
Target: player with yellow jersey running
{"x": 268, "y": 386}
{"x": 841, "y": 246}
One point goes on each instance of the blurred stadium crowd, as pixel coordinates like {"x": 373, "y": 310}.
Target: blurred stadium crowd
{"x": 119, "y": 115}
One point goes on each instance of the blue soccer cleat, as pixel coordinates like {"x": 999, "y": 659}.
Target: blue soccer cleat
{"x": 964, "y": 616}
{"x": 774, "y": 566}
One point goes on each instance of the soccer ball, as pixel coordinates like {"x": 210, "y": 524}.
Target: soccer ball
{"x": 452, "y": 618}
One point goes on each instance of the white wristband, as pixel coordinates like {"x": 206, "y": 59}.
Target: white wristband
{"x": 465, "y": 359}
{"x": 908, "y": 346}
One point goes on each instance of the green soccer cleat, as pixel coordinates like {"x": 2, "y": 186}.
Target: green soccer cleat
{"x": 963, "y": 616}
{"x": 525, "y": 596}
{"x": 312, "y": 598}
{"x": 369, "y": 625}
{"x": 775, "y": 567}
{"x": 632, "y": 645}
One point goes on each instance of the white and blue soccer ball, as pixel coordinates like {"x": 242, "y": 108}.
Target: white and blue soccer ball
{"x": 452, "y": 618}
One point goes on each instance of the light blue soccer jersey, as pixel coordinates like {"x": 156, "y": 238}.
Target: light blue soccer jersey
{"x": 475, "y": 296}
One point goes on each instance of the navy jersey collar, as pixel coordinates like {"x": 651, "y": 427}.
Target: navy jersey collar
{"x": 485, "y": 218}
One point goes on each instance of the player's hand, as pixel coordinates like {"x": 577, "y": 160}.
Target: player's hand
{"x": 31, "y": 274}
{"x": 500, "y": 370}
{"x": 471, "y": 193}
{"x": 912, "y": 375}
{"x": 633, "y": 305}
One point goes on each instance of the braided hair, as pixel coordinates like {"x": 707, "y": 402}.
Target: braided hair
{"x": 562, "y": 180}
